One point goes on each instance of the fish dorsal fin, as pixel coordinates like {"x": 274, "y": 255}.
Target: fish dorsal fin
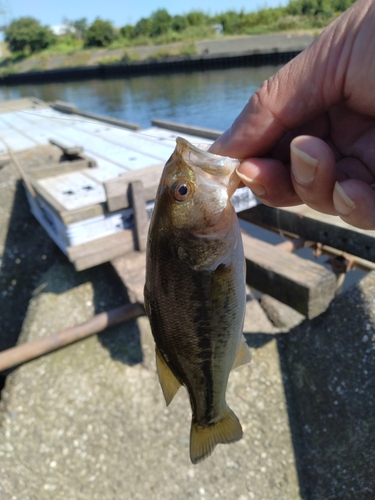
{"x": 203, "y": 439}
{"x": 168, "y": 381}
{"x": 243, "y": 354}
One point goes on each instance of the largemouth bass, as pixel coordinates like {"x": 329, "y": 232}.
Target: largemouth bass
{"x": 195, "y": 290}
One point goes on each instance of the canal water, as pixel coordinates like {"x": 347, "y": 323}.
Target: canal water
{"x": 210, "y": 99}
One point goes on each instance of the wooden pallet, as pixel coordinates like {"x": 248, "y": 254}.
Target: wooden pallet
{"x": 84, "y": 202}
{"x": 122, "y": 179}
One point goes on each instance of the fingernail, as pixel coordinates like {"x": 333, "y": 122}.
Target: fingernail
{"x": 343, "y": 204}
{"x": 304, "y": 168}
{"x": 256, "y": 187}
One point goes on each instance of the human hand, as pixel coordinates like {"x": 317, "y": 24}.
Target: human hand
{"x": 308, "y": 134}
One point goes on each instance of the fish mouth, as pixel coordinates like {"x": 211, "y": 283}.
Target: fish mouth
{"x": 212, "y": 164}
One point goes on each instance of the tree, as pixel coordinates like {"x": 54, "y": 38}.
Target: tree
{"x": 26, "y": 34}
{"x": 161, "y": 22}
{"x": 143, "y": 27}
{"x": 323, "y": 8}
{"x": 232, "y": 21}
{"x": 79, "y": 28}
{"x": 179, "y": 23}
{"x": 100, "y": 34}
{"x": 197, "y": 18}
{"x": 128, "y": 31}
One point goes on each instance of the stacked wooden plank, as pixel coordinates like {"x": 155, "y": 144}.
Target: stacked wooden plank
{"x": 88, "y": 203}
{"x": 84, "y": 204}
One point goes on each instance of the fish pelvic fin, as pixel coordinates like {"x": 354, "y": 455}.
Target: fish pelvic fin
{"x": 243, "y": 354}
{"x": 167, "y": 379}
{"x": 203, "y": 439}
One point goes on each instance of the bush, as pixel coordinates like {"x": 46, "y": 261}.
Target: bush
{"x": 28, "y": 35}
{"x": 100, "y": 34}
{"x": 127, "y": 31}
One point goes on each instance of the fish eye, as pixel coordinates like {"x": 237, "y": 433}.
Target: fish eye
{"x": 181, "y": 190}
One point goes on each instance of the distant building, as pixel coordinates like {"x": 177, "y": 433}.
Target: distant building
{"x": 218, "y": 28}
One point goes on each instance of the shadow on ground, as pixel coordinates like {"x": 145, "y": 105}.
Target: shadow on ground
{"x": 328, "y": 367}
{"x": 123, "y": 340}
{"x": 257, "y": 340}
{"x": 28, "y": 253}
{"x": 29, "y": 256}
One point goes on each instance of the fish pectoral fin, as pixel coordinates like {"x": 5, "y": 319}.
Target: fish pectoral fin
{"x": 168, "y": 381}
{"x": 203, "y": 439}
{"x": 243, "y": 354}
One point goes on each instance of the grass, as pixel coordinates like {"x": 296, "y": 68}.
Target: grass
{"x": 127, "y": 57}
{"x": 185, "y": 50}
{"x": 64, "y": 48}
{"x": 73, "y": 53}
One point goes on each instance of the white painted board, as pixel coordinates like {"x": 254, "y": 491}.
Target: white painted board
{"x": 120, "y": 156}
{"x": 13, "y": 138}
{"x": 74, "y": 190}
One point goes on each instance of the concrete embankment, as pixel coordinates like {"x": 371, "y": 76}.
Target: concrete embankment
{"x": 208, "y": 54}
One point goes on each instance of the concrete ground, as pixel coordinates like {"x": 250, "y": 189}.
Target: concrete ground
{"x": 89, "y": 421}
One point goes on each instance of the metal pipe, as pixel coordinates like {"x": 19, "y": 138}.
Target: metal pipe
{"x": 320, "y": 249}
{"x": 31, "y": 350}
{"x": 291, "y": 245}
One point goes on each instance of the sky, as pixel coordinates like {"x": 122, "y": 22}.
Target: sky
{"x": 120, "y": 12}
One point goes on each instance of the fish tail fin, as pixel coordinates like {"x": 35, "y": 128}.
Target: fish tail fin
{"x": 203, "y": 439}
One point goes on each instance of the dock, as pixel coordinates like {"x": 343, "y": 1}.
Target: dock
{"x": 83, "y": 200}
{"x": 96, "y": 201}
{"x": 88, "y": 421}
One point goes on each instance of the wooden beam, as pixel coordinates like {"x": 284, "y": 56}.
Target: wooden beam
{"x": 67, "y": 216}
{"x": 302, "y": 284}
{"x": 313, "y": 226}
{"x": 69, "y": 151}
{"x": 66, "y": 107}
{"x": 131, "y": 269}
{"x": 63, "y": 167}
{"x": 117, "y": 190}
{"x": 109, "y": 120}
{"x": 140, "y": 215}
{"x": 101, "y": 250}
{"x": 187, "y": 129}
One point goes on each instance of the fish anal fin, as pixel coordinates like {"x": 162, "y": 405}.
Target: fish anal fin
{"x": 203, "y": 439}
{"x": 168, "y": 381}
{"x": 243, "y": 354}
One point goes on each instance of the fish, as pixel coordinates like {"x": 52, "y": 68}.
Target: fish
{"x": 195, "y": 290}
